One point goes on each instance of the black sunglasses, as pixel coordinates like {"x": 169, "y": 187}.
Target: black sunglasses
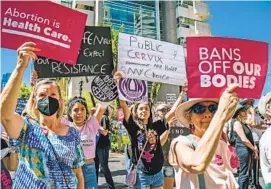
{"x": 164, "y": 110}
{"x": 199, "y": 109}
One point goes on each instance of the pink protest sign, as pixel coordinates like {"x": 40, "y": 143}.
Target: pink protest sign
{"x": 56, "y": 29}
{"x": 213, "y": 63}
{"x": 120, "y": 115}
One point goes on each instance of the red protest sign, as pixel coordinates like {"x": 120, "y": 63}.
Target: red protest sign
{"x": 56, "y": 29}
{"x": 213, "y": 63}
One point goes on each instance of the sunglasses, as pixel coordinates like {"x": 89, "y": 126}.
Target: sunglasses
{"x": 164, "y": 110}
{"x": 46, "y": 80}
{"x": 199, "y": 109}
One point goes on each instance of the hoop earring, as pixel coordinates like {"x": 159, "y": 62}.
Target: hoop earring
{"x": 192, "y": 128}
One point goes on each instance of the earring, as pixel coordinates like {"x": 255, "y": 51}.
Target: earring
{"x": 192, "y": 127}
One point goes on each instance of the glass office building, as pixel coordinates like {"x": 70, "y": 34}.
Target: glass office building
{"x": 138, "y": 17}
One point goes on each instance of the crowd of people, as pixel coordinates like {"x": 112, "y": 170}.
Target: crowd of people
{"x": 50, "y": 148}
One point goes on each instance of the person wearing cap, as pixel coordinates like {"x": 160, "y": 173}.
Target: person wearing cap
{"x": 253, "y": 122}
{"x": 265, "y": 142}
{"x": 162, "y": 110}
{"x": 202, "y": 159}
{"x": 244, "y": 145}
{"x": 166, "y": 139}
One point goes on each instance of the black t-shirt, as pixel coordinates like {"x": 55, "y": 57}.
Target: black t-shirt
{"x": 152, "y": 158}
{"x": 104, "y": 141}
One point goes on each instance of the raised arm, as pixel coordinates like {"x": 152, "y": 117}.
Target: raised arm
{"x": 163, "y": 138}
{"x": 197, "y": 160}
{"x": 100, "y": 112}
{"x": 179, "y": 100}
{"x": 124, "y": 106}
{"x": 12, "y": 121}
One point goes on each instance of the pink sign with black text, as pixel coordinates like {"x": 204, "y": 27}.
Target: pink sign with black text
{"x": 57, "y": 30}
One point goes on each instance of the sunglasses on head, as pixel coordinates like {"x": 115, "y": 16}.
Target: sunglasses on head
{"x": 199, "y": 108}
{"x": 164, "y": 110}
{"x": 46, "y": 79}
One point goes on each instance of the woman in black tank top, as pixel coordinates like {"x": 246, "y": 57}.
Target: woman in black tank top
{"x": 244, "y": 145}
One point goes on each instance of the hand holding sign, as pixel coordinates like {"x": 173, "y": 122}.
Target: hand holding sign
{"x": 228, "y": 101}
{"x": 25, "y": 52}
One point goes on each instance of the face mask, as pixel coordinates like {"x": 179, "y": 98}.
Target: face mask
{"x": 48, "y": 106}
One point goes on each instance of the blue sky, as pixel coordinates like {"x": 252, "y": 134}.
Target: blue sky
{"x": 249, "y": 20}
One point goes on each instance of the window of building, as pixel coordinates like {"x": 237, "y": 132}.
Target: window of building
{"x": 84, "y": 7}
{"x": 67, "y": 3}
{"x": 184, "y": 4}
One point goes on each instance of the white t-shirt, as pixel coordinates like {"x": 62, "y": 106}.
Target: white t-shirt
{"x": 265, "y": 155}
{"x": 256, "y": 134}
{"x": 218, "y": 175}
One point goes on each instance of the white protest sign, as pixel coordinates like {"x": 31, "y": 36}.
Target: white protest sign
{"x": 171, "y": 98}
{"x": 151, "y": 60}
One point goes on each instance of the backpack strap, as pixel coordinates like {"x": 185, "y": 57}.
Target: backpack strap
{"x": 200, "y": 176}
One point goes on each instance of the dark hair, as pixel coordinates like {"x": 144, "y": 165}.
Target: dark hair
{"x": 72, "y": 102}
{"x": 106, "y": 112}
{"x": 135, "y": 117}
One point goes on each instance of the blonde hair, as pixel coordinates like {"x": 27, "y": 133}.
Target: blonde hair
{"x": 30, "y": 106}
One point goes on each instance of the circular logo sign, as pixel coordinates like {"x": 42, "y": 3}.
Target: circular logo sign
{"x": 132, "y": 89}
{"x": 104, "y": 89}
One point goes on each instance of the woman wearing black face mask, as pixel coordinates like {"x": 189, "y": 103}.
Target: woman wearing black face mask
{"x": 49, "y": 152}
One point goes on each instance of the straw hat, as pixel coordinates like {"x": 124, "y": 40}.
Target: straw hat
{"x": 181, "y": 110}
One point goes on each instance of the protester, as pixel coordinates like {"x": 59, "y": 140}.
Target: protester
{"x": 10, "y": 160}
{"x": 253, "y": 123}
{"x": 141, "y": 128}
{"x": 102, "y": 151}
{"x": 265, "y": 144}
{"x": 166, "y": 139}
{"x": 202, "y": 159}
{"x": 50, "y": 154}
{"x": 87, "y": 127}
{"x": 245, "y": 147}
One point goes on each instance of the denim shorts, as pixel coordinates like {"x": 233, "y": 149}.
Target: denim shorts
{"x": 90, "y": 177}
{"x": 146, "y": 181}
{"x": 168, "y": 171}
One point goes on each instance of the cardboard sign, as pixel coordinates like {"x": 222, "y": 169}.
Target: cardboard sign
{"x": 171, "y": 99}
{"x": 133, "y": 90}
{"x": 213, "y": 63}
{"x": 21, "y": 103}
{"x": 95, "y": 57}
{"x": 104, "y": 89}
{"x": 151, "y": 60}
{"x": 56, "y": 29}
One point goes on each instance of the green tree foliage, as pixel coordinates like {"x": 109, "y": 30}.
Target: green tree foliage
{"x": 24, "y": 91}
{"x": 154, "y": 91}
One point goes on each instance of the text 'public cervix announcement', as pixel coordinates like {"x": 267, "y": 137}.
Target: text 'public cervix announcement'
{"x": 95, "y": 57}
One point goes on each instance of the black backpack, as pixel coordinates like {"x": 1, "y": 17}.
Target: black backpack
{"x": 231, "y": 136}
